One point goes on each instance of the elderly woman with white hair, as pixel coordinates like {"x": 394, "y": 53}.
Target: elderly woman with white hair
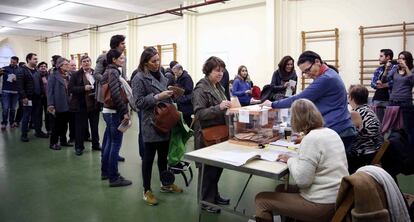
{"x": 58, "y": 103}
{"x": 317, "y": 171}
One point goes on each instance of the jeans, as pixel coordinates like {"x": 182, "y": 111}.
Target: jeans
{"x": 9, "y": 101}
{"x": 37, "y": 114}
{"x": 27, "y": 111}
{"x": 112, "y": 145}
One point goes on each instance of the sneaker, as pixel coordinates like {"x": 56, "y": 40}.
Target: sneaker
{"x": 120, "y": 182}
{"x": 171, "y": 189}
{"x": 24, "y": 138}
{"x": 55, "y": 147}
{"x": 14, "y": 125}
{"x": 149, "y": 198}
{"x": 3, "y": 127}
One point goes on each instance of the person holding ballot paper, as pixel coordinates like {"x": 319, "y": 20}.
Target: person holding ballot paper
{"x": 317, "y": 171}
{"x": 284, "y": 80}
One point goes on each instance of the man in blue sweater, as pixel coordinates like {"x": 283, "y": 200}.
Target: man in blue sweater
{"x": 328, "y": 93}
{"x": 9, "y": 91}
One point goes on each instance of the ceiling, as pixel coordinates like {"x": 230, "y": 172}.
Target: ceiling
{"x": 45, "y": 18}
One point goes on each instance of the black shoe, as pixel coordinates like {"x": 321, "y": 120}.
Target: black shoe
{"x": 71, "y": 141}
{"x": 97, "y": 148}
{"x": 41, "y": 135}
{"x": 66, "y": 144}
{"x": 121, "y": 159}
{"x": 222, "y": 201}
{"x": 104, "y": 177}
{"x": 120, "y": 182}
{"x": 24, "y": 138}
{"x": 55, "y": 147}
{"x": 209, "y": 209}
{"x": 78, "y": 152}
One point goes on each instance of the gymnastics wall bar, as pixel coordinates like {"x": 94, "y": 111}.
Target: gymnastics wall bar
{"x": 166, "y": 48}
{"x": 368, "y": 66}
{"x": 321, "y": 35}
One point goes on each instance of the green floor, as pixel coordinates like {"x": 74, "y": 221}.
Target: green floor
{"x": 38, "y": 184}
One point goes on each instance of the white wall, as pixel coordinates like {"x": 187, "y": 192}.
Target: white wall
{"x": 79, "y": 45}
{"x": 347, "y": 16}
{"x": 237, "y": 37}
{"x": 20, "y": 45}
{"x": 163, "y": 33}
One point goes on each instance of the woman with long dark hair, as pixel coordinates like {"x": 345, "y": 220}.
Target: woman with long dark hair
{"x": 402, "y": 79}
{"x": 149, "y": 87}
{"x": 114, "y": 114}
{"x": 282, "y": 76}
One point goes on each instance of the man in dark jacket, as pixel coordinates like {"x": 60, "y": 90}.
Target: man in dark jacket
{"x": 30, "y": 88}
{"x": 184, "y": 80}
{"x": 84, "y": 106}
{"x": 9, "y": 92}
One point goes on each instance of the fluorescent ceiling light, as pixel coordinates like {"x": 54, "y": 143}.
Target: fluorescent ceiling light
{"x": 27, "y": 20}
{"x": 50, "y": 5}
{"x": 5, "y": 29}
{"x": 67, "y": 6}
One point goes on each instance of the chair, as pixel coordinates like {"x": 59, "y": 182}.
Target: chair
{"x": 380, "y": 153}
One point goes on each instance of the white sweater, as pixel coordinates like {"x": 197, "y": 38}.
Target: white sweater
{"x": 320, "y": 166}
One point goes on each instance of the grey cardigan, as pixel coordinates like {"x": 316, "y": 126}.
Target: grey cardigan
{"x": 57, "y": 93}
{"x": 144, "y": 88}
{"x": 207, "y": 111}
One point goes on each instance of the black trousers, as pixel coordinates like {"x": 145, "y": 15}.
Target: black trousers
{"x": 72, "y": 127}
{"x": 149, "y": 154}
{"x": 81, "y": 128}
{"x": 59, "y": 128}
{"x": 37, "y": 113}
{"x": 19, "y": 113}
{"x": 209, "y": 188}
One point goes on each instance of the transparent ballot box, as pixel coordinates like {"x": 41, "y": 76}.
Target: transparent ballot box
{"x": 252, "y": 125}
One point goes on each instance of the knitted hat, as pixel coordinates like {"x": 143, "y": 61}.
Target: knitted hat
{"x": 60, "y": 61}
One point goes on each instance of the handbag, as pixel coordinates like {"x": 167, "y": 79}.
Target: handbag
{"x": 107, "y": 99}
{"x": 215, "y": 134}
{"x": 166, "y": 117}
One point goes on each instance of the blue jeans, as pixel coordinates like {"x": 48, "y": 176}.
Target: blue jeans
{"x": 27, "y": 112}
{"x": 9, "y": 101}
{"x": 111, "y": 146}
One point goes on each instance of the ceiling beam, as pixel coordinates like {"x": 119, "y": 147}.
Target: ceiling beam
{"x": 49, "y": 15}
{"x": 32, "y": 26}
{"x": 114, "y": 5}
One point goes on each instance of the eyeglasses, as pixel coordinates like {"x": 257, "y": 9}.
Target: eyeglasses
{"x": 307, "y": 70}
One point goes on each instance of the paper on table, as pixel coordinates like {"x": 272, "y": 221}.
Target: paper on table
{"x": 285, "y": 143}
{"x": 244, "y": 116}
{"x": 272, "y": 155}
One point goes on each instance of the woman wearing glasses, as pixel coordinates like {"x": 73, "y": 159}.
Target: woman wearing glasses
{"x": 327, "y": 92}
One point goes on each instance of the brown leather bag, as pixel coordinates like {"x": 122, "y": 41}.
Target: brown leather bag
{"x": 106, "y": 92}
{"x": 166, "y": 117}
{"x": 215, "y": 134}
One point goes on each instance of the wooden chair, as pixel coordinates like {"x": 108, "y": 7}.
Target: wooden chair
{"x": 380, "y": 153}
